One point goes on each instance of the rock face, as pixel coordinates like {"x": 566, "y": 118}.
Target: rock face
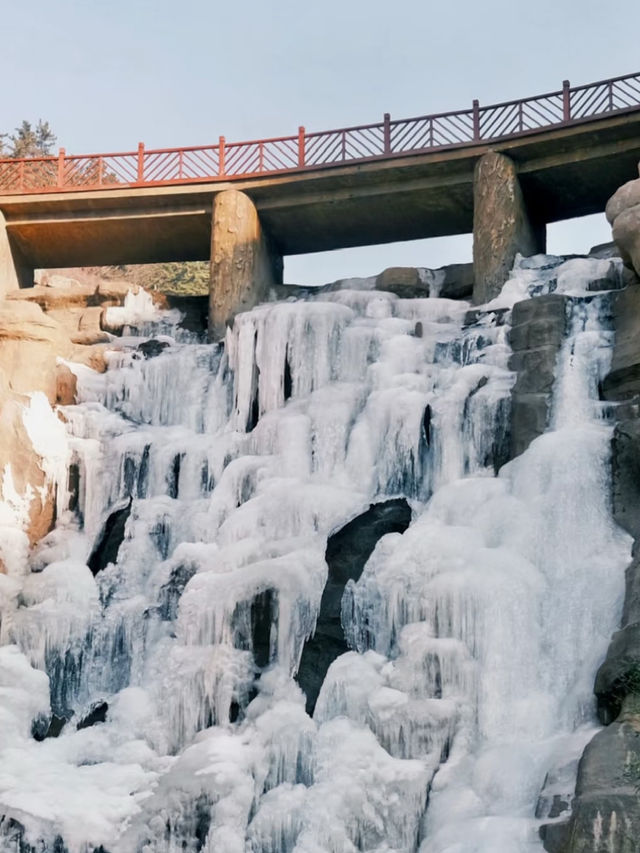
{"x": 501, "y": 225}
{"x": 606, "y": 810}
{"x": 244, "y": 265}
{"x": 623, "y": 381}
{"x": 347, "y": 552}
{"x": 537, "y": 332}
{"x": 454, "y": 281}
{"x": 623, "y": 213}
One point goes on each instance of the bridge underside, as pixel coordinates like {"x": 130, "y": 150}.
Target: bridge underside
{"x": 563, "y": 173}
{"x": 556, "y": 174}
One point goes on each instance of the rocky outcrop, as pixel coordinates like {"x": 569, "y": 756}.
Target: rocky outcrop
{"x": 623, "y": 213}
{"x": 537, "y": 331}
{"x": 606, "y": 809}
{"x": 347, "y": 552}
{"x": 501, "y": 225}
{"x": 454, "y": 281}
{"x": 623, "y": 380}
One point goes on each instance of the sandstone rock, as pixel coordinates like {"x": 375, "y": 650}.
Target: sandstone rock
{"x": 623, "y": 213}
{"x": 501, "y": 225}
{"x": 66, "y": 385}
{"x": 404, "y": 281}
{"x": 92, "y": 356}
{"x": 91, "y": 338}
{"x": 454, "y": 281}
{"x": 628, "y": 195}
{"x": 91, "y": 319}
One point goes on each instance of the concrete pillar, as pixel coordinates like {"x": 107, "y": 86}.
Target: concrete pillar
{"x": 14, "y": 271}
{"x": 243, "y": 263}
{"x": 501, "y": 225}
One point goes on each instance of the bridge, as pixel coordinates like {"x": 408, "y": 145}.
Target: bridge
{"x": 502, "y": 171}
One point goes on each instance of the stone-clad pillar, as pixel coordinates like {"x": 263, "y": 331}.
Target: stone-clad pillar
{"x": 501, "y": 225}
{"x": 243, "y": 263}
{"x": 14, "y": 272}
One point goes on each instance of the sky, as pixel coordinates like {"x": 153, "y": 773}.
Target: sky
{"x": 107, "y": 74}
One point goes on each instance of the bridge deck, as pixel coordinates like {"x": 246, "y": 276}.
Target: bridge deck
{"x": 564, "y": 172}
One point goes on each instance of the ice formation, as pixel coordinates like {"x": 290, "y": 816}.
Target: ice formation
{"x": 475, "y": 635}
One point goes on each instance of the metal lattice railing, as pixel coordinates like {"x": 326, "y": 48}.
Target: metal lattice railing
{"x": 386, "y": 139}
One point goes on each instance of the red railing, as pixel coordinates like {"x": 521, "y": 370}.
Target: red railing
{"x": 386, "y": 139}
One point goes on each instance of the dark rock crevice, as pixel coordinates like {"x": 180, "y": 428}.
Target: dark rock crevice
{"x": 347, "y": 552}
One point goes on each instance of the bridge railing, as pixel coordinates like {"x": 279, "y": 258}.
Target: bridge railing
{"x": 388, "y": 138}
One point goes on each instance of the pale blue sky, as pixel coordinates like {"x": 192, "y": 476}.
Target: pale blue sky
{"x": 181, "y": 72}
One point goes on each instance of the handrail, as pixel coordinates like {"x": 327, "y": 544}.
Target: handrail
{"x": 228, "y": 161}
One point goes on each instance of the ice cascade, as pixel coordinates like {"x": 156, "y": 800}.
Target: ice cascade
{"x": 148, "y": 704}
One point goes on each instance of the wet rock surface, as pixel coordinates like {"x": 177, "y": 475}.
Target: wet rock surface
{"x": 606, "y": 812}
{"x": 536, "y": 335}
{"x": 347, "y": 552}
{"x": 110, "y": 540}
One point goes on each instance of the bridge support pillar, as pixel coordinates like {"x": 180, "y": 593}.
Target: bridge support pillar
{"x": 14, "y": 272}
{"x": 502, "y": 225}
{"x": 244, "y": 264}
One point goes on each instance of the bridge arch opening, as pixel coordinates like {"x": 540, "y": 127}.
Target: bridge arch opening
{"x": 577, "y": 236}
{"x": 320, "y": 268}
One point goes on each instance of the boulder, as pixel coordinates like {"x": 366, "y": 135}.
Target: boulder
{"x": 623, "y": 213}
{"x": 347, "y": 552}
{"x": 66, "y": 385}
{"x": 454, "y": 281}
{"x": 606, "y": 809}
{"x": 404, "y": 281}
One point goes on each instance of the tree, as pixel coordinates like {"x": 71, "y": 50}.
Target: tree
{"x": 28, "y": 141}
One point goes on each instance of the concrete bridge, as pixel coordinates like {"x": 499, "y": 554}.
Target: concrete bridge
{"x": 502, "y": 171}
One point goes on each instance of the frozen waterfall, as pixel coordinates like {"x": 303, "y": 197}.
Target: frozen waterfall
{"x": 136, "y": 715}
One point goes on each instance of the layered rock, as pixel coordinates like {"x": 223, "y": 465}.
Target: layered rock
{"x": 537, "y": 331}
{"x": 623, "y": 213}
{"x": 606, "y": 809}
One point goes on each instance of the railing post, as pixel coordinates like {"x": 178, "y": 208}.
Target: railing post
{"x": 566, "y": 100}
{"x": 301, "y": 151}
{"x": 180, "y": 163}
{"x": 387, "y": 133}
{"x": 221, "y": 156}
{"x": 61, "y": 167}
{"x": 100, "y": 170}
{"x": 22, "y": 176}
{"x": 140, "y": 162}
{"x": 476, "y": 121}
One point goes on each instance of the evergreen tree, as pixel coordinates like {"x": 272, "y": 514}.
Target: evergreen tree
{"x": 29, "y": 141}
